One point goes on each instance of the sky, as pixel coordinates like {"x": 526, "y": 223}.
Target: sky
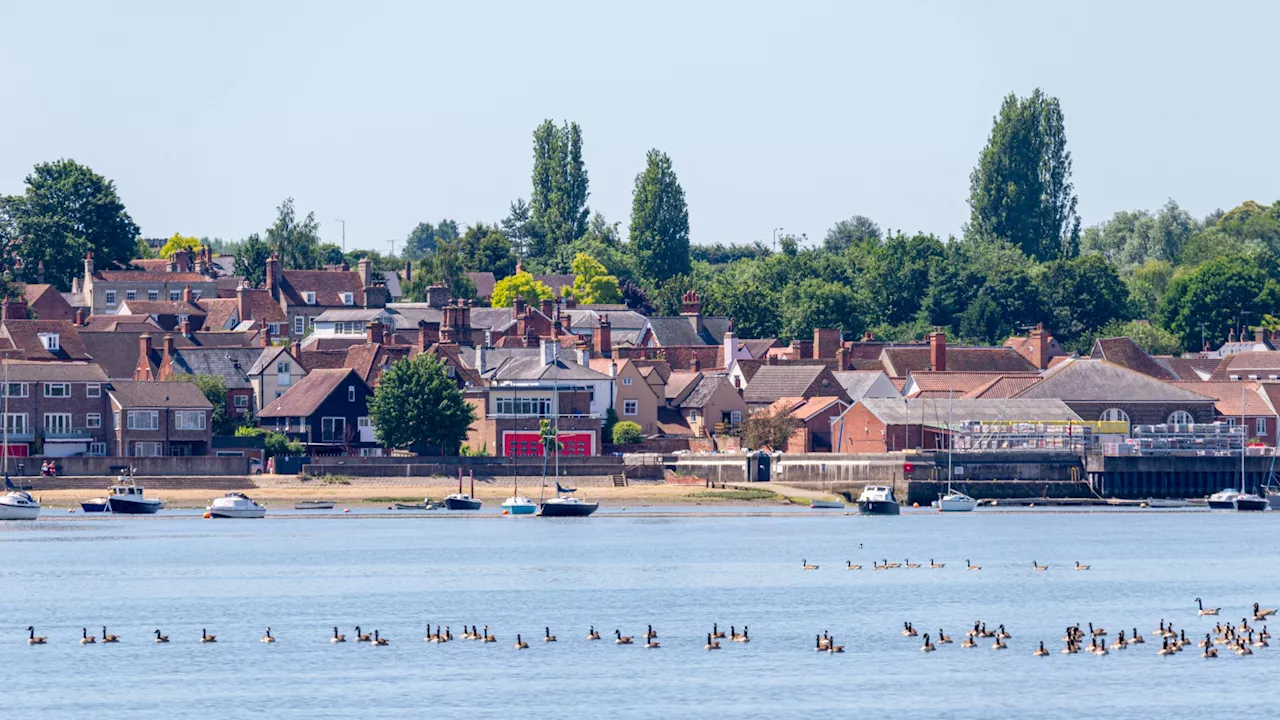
{"x": 775, "y": 115}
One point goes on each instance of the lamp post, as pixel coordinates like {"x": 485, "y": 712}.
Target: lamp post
{"x": 775, "y": 238}
{"x": 344, "y": 234}
{"x": 393, "y": 242}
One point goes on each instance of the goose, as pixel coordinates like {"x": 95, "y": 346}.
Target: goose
{"x": 1183, "y": 640}
{"x": 360, "y": 637}
{"x": 1242, "y": 649}
{"x": 1071, "y": 648}
{"x": 1082, "y": 567}
{"x": 999, "y": 644}
{"x": 438, "y": 637}
{"x": 1164, "y": 648}
{"x": 1209, "y": 650}
{"x": 161, "y": 638}
{"x": 910, "y": 565}
{"x": 927, "y": 646}
{"x": 651, "y": 643}
{"x": 1002, "y": 633}
{"x": 874, "y": 566}
{"x": 889, "y": 565}
{"x": 650, "y": 633}
{"x": 86, "y": 638}
{"x": 1244, "y": 625}
{"x": 1120, "y": 643}
{"x": 520, "y": 643}
{"x": 32, "y": 639}
{"x": 380, "y": 641}
{"x": 489, "y": 637}
{"x": 819, "y": 644}
{"x": 430, "y": 636}
{"x": 267, "y": 637}
{"x": 467, "y": 634}
{"x": 1159, "y": 632}
{"x": 713, "y": 645}
{"x": 591, "y": 634}
{"x": 1204, "y": 610}
{"x": 1169, "y": 631}
{"x": 1073, "y": 633}
{"x": 832, "y": 647}
{"x": 547, "y": 636}
{"x": 1264, "y": 634}
{"x": 1260, "y": 613}
{"x": 1098, "y": 648}
{"x": 336, "y": 637}
{"x": 448, "y": 636}
{"x": 1260, "y": 642}
{"x": 936, "y": 565}
{"x": 1098, "y": 632}
{"x": 807, "y": 566}
{"x": 1040, "y": 651}
{"x": 1037, "y": 566}
{"x": 969, "y": 643}
{"x": 907, "y": 630}
{"x": 475, "y": 634}
{"x": 108, "y": 638}
{"x": 976, "y": 631}
{"x": 987, "y": 633}
{"x": 621, "y": 639}
{"x": 742, "y": 638}
{"x": 205, "y": 637}
{"x": 1136, "y": 639}
{"x": 848, "y": 565}
{"x": 970, "y": 566}
{"x": 943, "y": 639}
{"x": 716, "y": 632}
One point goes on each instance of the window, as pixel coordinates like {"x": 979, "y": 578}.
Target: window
{"x": 175, "y": 295}
{"x": 1253, "y": 377}
{"x": 332, "y": 429}
{"x": 630, "y": 407}
{"x": 693, "y": 416}
{"x": 348, "y": 299}
{"x": 188, "y": 420}
{"x": 148, "y": 449}
{"x": 274, "y": 327}
{"x": 1260, "y": 426}
{"x": 284, "y": 372}
{"x": 1114, "y": 415}
{"x": 626, "y": 381}
{"x": 50, "y": 341}
{"x": 242, "y": 401}
{"x": 183, "y": 317}
{"x": 153, "y": 294}
{"x": 195, "y": 294}
{"x": 371, "y": 452}
{"x": 540, "y": 407}
{"x": 351, "y": 393}
{"x": 93, "y": 420}
{"x": 111, "y": 298}
{"x": 93, "y": 390}
{"x": 98, "y": 448}
{"x": 16, "y": 390}
{"x": 1180, "y": 417}
{"x": 278, "y": 394}
{"x": 362, "y": 422}
{"x": 130, "y": 294}
{"x": 735, "y": 417}
{"x": 16, "y": 423}
{"x": 311, "y": 322}
{"x": 57, "y": 423}
{"x": 309, "y": 298}
{"x": 299, "y": 325}
{"x": 1235, "y": 377}
{"x": 115, "y": 420}
{"x": 57, "y": 390}
{"x": 144, "y": 420}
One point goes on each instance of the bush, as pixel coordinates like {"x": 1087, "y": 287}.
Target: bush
{"x": 627, "y": 433}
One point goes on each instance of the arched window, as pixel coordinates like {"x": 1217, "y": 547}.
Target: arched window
{"x": 1114, "y": 415}
{"x": 1181, "y": 417}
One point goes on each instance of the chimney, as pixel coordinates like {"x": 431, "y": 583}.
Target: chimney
{"x": 547, "y": 307}
{"x": 168, "y": 345}
{"x": 184, "y": 327}
{"x": 265, "y": 335}
{"x": 422, "y": 335}
{"x": 80, "y": 317}
{"x": 482, "y": 353}
{"x": 602, "y": 341}
{"x": 826, "y": 341}
{"x": 566, "y": 323}
{"x": 88, "y": 266}
{"x": 201, "y": 266}
{"x": 273, "y": 276}
{"x": 1259, "y": 334}
{"x": 771, "y": 359}
{"x": 172, "y": 265}
{"x": 144, "y": 346}
{"x": 448, "y": 324}
{"x": 1039, "y": 346}
{"x": 730, "y": 348}
{"x": 517, "y": 307}
{"x": 242, "y": 307}
{"x": 694, "y": 365}
{"x": 408, "y": 271}
{"x": 15, "y": 309}
{"x": 40, "y": 272}
{"x": 571, "y": 302}
{"x": 937, "y": 350}
{"x": 365, "y": 269}
{"x": 186, "y": 294}
{"x": 549, "y": 351}
{"x": 437, "y": 296}
{"x": 462, "y": 324}
{"x": 1231, "y": 335}
{"x": 842, "y": 358}
{"x": 691, "y": 304}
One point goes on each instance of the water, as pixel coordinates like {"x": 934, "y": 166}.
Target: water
{"x": 679, "y": 573}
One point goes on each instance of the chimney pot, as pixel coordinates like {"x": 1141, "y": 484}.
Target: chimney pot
{"x": 937, "y": 351}
{"x": 168, "y": 345}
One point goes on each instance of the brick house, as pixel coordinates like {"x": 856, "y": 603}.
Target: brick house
{"x": 304, "y": 295}
{"x": 56, "y": 408}
{"x": 41, "y": 340}
{"x": 1100, "y": 390}
{"x": 328, "y": 411}
{"x": 899, "y": 361}
{"x": 813, "y": 416}
{"x": 774, "y": 382}
{"x": 880, "y": 425}
{"x": 1250, "y": 401}
{"x": 700, "y": 404}
{"x": 152, "y": 419}
{"x": 104, "y": 291}
{"x": 46, "y": 303}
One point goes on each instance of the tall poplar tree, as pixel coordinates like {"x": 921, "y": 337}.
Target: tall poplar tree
{"x": 558, "y": 204}
{"x": 660, "y": 221}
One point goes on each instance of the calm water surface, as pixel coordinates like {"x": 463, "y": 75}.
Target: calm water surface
{"x": 302, "y": 576}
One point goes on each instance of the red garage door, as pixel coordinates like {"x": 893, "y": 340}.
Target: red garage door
{"x": 526, "y": 444}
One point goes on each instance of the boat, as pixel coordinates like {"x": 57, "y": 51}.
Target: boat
{"x": 955, "y": 502}
{"x": 519, "y": 505}
{"x": 461, "y": 500}
{"x": 128, "y": 498}
{"x": 827, "y": 504}
{"x": 235, "y": 505}
{"x": 313, "y": 505}
{"x": 17, "y": 504}
{"x": 568, "y": 506}
{"x": 877, "y": 500}
{"x": 96, "y": 505}
{"x": 1224, "y": 500}
{"x": 1248, "y": 502}
{"x": 1166, "y": 503}
{"x": 1273, "y": 499}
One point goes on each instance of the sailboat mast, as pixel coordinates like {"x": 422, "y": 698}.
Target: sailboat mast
{"x": 951, "y": 438}
{"x": 1244, "y": 433}
{"x": 6, "y": 417}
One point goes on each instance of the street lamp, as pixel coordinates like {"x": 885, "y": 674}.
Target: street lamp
{"x": 393, "y": 242}
{"x": 344, "y": 234}
{"x": 775, "y": 238}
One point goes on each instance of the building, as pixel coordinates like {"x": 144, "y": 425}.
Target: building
{"x": 899, "y": 361}
{"x": 1100, "y": 390}
{"x": 273, "y": 373}
{"x": 879, "y": 425}
{"x": 813, "y": 418}
{"x": 1249, "y": 401}
{"x": 635, "y": 400}
{"x": 105, "y": 291}
{"x": 774, "y": 382}
{"x": 56, "y": 408}
{"x": 701, "y": 404}
{"x": 328, "y": 411}
{"x": 690, "y": 327}
{"x": 858, "y": 384}
{"x": 304, "y": 295}
{"x": 154, "y": 419}
{"x": 46, "y": 303}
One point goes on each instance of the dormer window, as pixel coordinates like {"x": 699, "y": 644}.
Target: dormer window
{"x": 49, "y": 341}
{"x": 309, "y": 298}
{"x": 175, "y": 295}
{"x": 348, "y": 298}
{"x": 111, "y": 298}
{"x": 195, "y": 294}
{"x": 153, "y": 294}
{"x": 183, "y": 318}
{"x": 1235, "y": 377}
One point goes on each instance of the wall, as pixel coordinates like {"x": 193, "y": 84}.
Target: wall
{"x": 489, "y": 467}
{"x": 1144, "y": 413}
{"x": 183, "y": 466}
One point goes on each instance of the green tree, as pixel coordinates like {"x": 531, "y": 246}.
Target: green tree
{"x": 857, "y": 230}
{"x": 592, "y": 284}
{"x": 816, "y": 303}
{"x": 421, "y": 241}
{"x": 296, "y": 242}
{"x": 214, "y": 388}
{"x": 766, "y": 429}
{"x": 274, "y": 443}
{"x": 983, "y": 321}
{"x": 1131, "y": 238}
{"x": 520, "y": 284}
{"x": 1155, "y": 340}
{"x": 558, "y": 204}
{"x": 66, "y": 211}
{"x": 1021, "y": 189}
{"x": 517, "y": 226}
{"x": 1253, "y": 222}
{"x": 484, "y": 248}
{"x": 330, "y": 254}
{"x": 1215, "y": 295}
{"x": 178, "y": 243}
{"x": 443, "y": 267}
{"x": 897, "y": 276}
{"x": 1082, "y": 295}
{"x": 1147, "y": 285}
{"x": 418, "y": 406}
{"x": 659, "y": 221}
{"x": 627, "y": 433}
{"x": 251, "y": 260}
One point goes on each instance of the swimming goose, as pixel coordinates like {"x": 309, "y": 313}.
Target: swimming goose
{"x": 1242, "y": 648}
{"x": 205, "y": 637}
{"x": 1261, "y": 614}
{"x": 1136, "y": 639}
{"x": 1082, "y": 567}
{"x": 1183, "y": 640}
{"x": 108, "y": 638}
{"x": 448, "y": 635}
{"x": 86, "y": 638}
{"x": 621, "y": 639}
{"x": 520, "y": 643}
{"x": 1040, "y": 651}
{"x": 713, "y": 645}
{"x": 1098, "y": 632}
{"x": 848, "y": 565}
{"x": 969, "y": 643}
{"x": 742, "y": 637}
{"x": 161, "y": 638}
{"x": 716, "y": 632}
{"x": 547, "y": 636}
{"x": 651, "y": 642}
{"x": 1209, "y": 650}
{"x": 1071, "y": 648}
{"x": 437, "y": 636}
{"x": 267, "y": 638}
{"x": 1264, "y": 634}
{"x": 1002, "y": 633}
{"x": 430, "y": 636}
{"x": 650, "y": 633}
{"x": 987, "y": 633}
{"x": 911, "y": 565}
{"x": 380, "y": 641}
{"x": 360, "y": 637}
{"x": 907, "y": 630}
{"x": 1164, "y": 648}
{"x": 32, "y": 639}
{"x": 1159, "y": 632}
{"x": 1204, "y": 610}
{"x": 889, "y": 565}
{"x": 819, "y": 643}
{"x": 970, "y": 566}
{"x": 489, "y": 637}
{"x": 927, "y": 646}
{"x": 999, "y": 644}
{"x": 1037, "y": 566}
{"x": 336, "y": 637}
{"x": 1120, "y": 643}
{"x": 1098, "y": 648}
{"x": 936, "y": 565}
{"x": 832, "y": 647}
{"x": 1260, "y": 642}
{"x": 591, "y": 634}
{"x": 1244, "y": 625}
{"x": 943, "y": 639}
{"x": 807, "y": 566}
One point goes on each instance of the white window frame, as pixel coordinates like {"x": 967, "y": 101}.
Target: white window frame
{"x": 93, "y": 390}
{"x": 1113, "y": 415}
{"x": 61, "y": 423}
{"x": 1180, "y": 417}
{"x": 242, "y": 401}
{"x": 97, "y": 448}
{"x": 93, "y": 420}
{"x": 183, "y": 317}
{"x": 626, "y": 381}
{"x": 50, "y": 342}
{"x": 274, "y": 327}
{"x": 735, "y": 417}
{"x": 299, "y": 325}
{"x": 130, "y": 295}
{"x": 110, "y": 298}
{"x": 189, "y": 420}
{"x": 156, "y": 447}
{"x": 1260, "y": 426}
{"x": 17, "y": 423}
{"x": 23, "y": 389}
{"x": 333, "y": 423}
{"x": 351, "y": 393}
{"x": 144, "y": 420}
{"x": 175, "y": 295}
{"x": 66, "y": 389}
{"x": 348, "y": 298}
{"x": 693, "y": 415}
{"x": 153, "y": 294}
{"x": 363, "y": 421}
{"x": 195, "y": 294}
{"x": 630, "y": 407}
{"x": 309, "y": 297}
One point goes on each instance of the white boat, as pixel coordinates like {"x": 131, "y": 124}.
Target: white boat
{"x": 1224, "y": 499}
{"x": 18, "y": 505}
{"x": 313, "y": 505}
{"x": 827, "y": 504}
{"x": 1165, "y": 503}
{"x": 955, "y": 502}
{"x": 235, "y": 505}
{"x": 877, "y": 500}
{"x": 519, "y": 505}
{"x": 1248, "y": 502}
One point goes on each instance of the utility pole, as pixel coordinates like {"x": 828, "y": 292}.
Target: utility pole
{"x": 775, "y": 238}
{"x": 393, "y": 242}
{"x": 344, "y": 234}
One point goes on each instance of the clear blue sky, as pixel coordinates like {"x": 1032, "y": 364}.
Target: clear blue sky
{"x": 775, "y": 114}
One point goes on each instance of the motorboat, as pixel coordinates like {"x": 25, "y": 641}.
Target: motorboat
{"x": 18, "y": 504}
{"x": 568, "y": 506}
{"x": 1224, "y": 500}
{"x": 955, "y": 501}
{"x": 877, "y": 500}
{"x": 1167, "y": 503}
{"x": 1273, "y": 499}
{"x": 1248, "y": 502}
{"x": 235, "y": 505}
{"x": 96, "y": 505}
{"x": 827, "y": 504}
{"x": 314, "y": 505}
{"x": 461, "y": 501}
{"x": 519, "y": 505}
{"x": 127, "y": 498}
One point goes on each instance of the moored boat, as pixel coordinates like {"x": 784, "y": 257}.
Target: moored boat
{"x": 877, "y": 500}
{"x": 519, "y": 505}
{"x": 1165, "y": 503}
{"x": 127, "y": 498}
{"x": 17, "y": 504}
{"x": 235, "y": 505}
{"x": 461, "y": 501}
{"x": 1224, "y": 500}
{"x": 827, "y": 504}
{"x": 314, "y": 505}
{"x": 1248, "y": 502}
{"x": 568, "y": 506}
{"x": 96, "y": 505}
{"x": 955, "y": 501}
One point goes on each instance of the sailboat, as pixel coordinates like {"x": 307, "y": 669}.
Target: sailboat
{"x": 953, "y": 501}
{"x": 1246, "y": 501}
{"x": 16, "y": 504}
{"x": 518, "y": 504}
{"x": 461, "y": 500}
{"x": 566, "y": 504}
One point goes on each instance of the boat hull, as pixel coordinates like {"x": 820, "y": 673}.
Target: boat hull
{"x": 1165, "y": 503}
{"x": 132, "y": 507}
{"x": 1273, "y": 499}
{"x": 1251, "y": 504}
{"x": 95, "y": 507}
{"x": 826, "y": 504}
{"x": 1222, "y": 505}
{"x": 520, "y": 508}
{"x": 878, "y": 507}
{"x": 952, "y": 503}
{"x": 460, "y": 504}
{"x": 238, "y": 513}
{"x": 19, "y": 512}
{"x": 313, "y": 506}
{"x": 550, "y": 509}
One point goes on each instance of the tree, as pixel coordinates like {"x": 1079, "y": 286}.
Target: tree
{"x": 982, "y": 321}
{"x": 484, "y": 248}
{"x": 815, "y": 303}
{"x": 178, "y": 243}
{"x": 1215, "y": 296}
{"x": 1147, "y": 285}
{"x": 1131, "y": 238}
{"x": 1021, "y": 189}
{"x": 418, "y": 406}
{"x": 521, "y": 284}
{"x": 897, "y": 276}
{"x": 635, "y": 297}
{"x": 857, "y": 230}
{"x": 592, "y": 284}
{"x": 66, "y": 211}
{"x": 659, "y": 221}
{"x": 765, "y": 429}
{"x": 443, "y": 267}
{"x": 297, "y": 243}
{"x": 1253, "y": 222}
{"x": 1082, "y": 295}
{"x": 274, "y": 443}
{"x": 1156, "y": 341}
{"x": 558, "y": 204}
{"x": 251, "y": 260}
{"x": 627, "y": 433}
{"x": 421, "y": 241}
{"x": 330, "y": 254}
{"x": 518, "y": 226}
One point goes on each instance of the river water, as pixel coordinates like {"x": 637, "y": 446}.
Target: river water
{"x": 678, "y": 571}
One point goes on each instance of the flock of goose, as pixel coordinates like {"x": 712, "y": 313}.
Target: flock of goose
{"x": 933, "y": 565}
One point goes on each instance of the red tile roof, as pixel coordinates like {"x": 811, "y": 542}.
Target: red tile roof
{"x": 262, "y": 307}
{"x": 899, "y": 361}
{"x": 220, "y": 312}
{"x": 1227, "y": 397}
{"x": 954, "y": 384}
{"x": 148, "y": 276}
{"x": 328, "y": 285}
{"x": 1123, "y": 351}
{"x": 1004, "y": 386}
{"x": 24, "y": 336}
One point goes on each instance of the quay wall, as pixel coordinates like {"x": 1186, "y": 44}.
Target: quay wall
{"x": 200, "y": 466}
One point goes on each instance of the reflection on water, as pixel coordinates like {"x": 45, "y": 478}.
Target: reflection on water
{"x": 679, "y": 571}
